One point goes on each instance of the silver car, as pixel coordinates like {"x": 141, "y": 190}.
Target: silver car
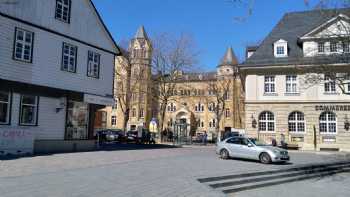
{"x": 241, "y": 147}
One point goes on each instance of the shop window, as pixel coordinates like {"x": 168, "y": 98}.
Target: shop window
{"x": 77, "y": 121}
{"x": 267, "y": 121}
{"x": 29, "y": 110}
{"x": 328, "y": 123}
{"x": 5, "y": 103}
{"x": 296, "y": 122}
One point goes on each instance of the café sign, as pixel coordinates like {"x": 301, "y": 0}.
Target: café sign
{"x": 332, "y": 107}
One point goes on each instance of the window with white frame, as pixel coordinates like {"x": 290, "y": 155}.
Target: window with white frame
{"x": 93, "y": 69}
{"x": 281, "y": 48}
{"x": 69, "y": 57}
{"x": 328, "y": 123}
{"x": 62, "y": 12}
{"x": 267, "y": 121}
{"x": 333, "y": 47}
{"x": 320, "y": 47}
{"x": 329, "y": 85}
{"x": 269, "y": 84}
{"x": 199, "y": 107}
{"x": 23, "y": 49}
{"x": 29, "y": 110}
{"x": 226, "y": 95}
{"x": 296, "y": 122}
{"x": 200, "y": 123}
{"x": 5, "y": 103}
{"x": 211, "y": 107}
{"x": 114, "y": 120}
{"x": 212, "y": 123}
{"x": 171, "y": 107}
{"x": 291, "y": 84}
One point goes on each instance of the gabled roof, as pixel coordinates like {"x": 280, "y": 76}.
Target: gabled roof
{"x": 326, "y": 25}
{"x": 105, "y": 28}
{"x": 291, "y": 28}
{"x": 141, "y": 33}
{"x": 229, "y": 58}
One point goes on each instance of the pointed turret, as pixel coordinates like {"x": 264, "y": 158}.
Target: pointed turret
{"x": 141, "y": 33}
{"x": 229, "y": 58}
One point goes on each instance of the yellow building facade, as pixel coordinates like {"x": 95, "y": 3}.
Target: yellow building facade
{"x": 194, "y": 101}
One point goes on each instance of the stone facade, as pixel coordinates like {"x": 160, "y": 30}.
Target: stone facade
{"x": 311, "y": 138}
{"x": 190, "y": 101}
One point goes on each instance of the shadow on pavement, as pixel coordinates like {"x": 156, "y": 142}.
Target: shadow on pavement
{"x": 103, "y": 147}
{"x": 255, "y": 161}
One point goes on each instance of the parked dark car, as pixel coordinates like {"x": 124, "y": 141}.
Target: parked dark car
{"x": 132, "y": 136}
{"x": 109, "y": 135}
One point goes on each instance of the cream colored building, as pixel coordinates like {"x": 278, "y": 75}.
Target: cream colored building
{"x": 192, "y": 102}
{"x": 280, "y": 102}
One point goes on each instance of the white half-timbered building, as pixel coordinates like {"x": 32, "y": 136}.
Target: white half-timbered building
{"x": 56, "y": 69}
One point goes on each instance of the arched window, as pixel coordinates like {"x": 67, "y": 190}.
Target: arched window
{"x": 171, "y": 107}
{"x": 266, "y": 121}
{"x": 296, "y": 122}
{"x": 328, "y": 122}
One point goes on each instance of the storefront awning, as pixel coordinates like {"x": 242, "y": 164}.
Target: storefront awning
{"x": 98, "y": 100}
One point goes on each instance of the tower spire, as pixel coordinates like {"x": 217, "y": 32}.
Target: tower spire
{"x": 141, "y": 33}
{"x": 229, "y": 58}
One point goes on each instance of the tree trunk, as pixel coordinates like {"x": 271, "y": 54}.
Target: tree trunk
{"x": 161, "y": 120}
{"x": 126, "y": 120}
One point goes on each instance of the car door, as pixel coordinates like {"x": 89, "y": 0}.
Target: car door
{"x": 248, "y": 152}
{"x": 234, "y": 146}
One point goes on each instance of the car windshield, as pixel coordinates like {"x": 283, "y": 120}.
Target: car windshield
{"x": 258, "y": 142}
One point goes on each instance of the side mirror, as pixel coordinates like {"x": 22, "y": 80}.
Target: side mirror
{"x": 250, "y": 145}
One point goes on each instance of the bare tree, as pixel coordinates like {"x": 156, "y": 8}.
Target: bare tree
{"x": 171, "y": 56}
{"x": 220, "y": 89}
{"x": 333, "y": 59}
{"x": 128, "y": 85}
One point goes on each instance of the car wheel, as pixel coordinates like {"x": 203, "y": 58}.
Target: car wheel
{"x": 265, "y": 158}
{"x": 224, "y": 154}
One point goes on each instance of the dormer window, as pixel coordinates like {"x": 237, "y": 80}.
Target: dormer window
{"x": 281, "y": 48}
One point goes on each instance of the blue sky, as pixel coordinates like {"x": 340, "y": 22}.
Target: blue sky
{"x": 212, "y": 23}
